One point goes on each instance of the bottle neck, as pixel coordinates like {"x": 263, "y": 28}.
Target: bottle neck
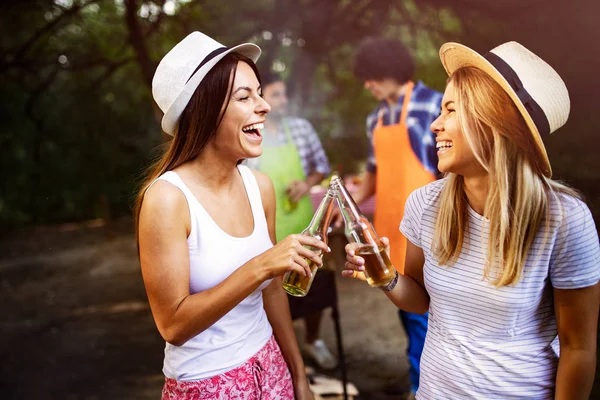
{"x": 322, "y": 218}
{"x": 348, "y": 208}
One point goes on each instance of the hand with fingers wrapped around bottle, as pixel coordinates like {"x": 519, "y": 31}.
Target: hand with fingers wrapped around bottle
{"x": 358, "y": 262}
{"x": 407, "y": 292}
{"x": 291, "y": 254}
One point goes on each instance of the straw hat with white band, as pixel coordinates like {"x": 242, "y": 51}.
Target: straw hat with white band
{"x": 536, "y": 89}
{"x": 182, "y": 69}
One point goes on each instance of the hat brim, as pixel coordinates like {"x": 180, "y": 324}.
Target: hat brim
{"x": 455, "y": 56}
{"x": 170, "y": 120}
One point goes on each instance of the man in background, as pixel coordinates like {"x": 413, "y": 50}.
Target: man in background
{"x": 294, "y": 159}
{"x": 402, "y": 155}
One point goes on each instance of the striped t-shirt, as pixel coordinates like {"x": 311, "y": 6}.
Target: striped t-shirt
{"x": 491, "y": 343}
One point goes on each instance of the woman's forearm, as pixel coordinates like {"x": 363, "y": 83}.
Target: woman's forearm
{"x": 575, "y": 374}
{"x": 278, "y": 312}
{"x": 409, "y": 296}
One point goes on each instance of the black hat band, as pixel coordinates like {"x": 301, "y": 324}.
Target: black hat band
{"x": 209, "y": 57}
{"x": 533, "y": 108}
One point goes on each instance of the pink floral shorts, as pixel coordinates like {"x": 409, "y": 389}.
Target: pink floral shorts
{"x": 265, "y": 376}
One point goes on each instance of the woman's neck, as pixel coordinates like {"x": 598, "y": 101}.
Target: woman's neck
{"x": 212, "y": 170}
{"x": 476, "y": 189}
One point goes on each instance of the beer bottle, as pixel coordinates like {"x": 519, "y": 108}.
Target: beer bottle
{"x": 379, "y": 270}
{"x": 289, "y": 205}
{"x": 297, "y": 284}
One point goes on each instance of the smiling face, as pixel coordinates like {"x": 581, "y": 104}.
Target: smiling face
{"x": 454, "y": 152}
{"x": 239, "y": 131}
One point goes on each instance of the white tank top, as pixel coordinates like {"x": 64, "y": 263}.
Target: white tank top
{"x": 214, "y": 255}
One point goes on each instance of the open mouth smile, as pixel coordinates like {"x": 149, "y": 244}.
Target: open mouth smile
{"x": 443, "y": 146}
{"x": 253, "y": 131}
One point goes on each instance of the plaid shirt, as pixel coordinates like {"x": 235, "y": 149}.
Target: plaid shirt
{"x": 423, "y": 108}
{"x": 304, "y": 136}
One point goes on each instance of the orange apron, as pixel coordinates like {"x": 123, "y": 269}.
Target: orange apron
{"x": 399, "y": 173}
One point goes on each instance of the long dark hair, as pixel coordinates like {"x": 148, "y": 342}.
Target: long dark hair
{"x": 198, "y": 124}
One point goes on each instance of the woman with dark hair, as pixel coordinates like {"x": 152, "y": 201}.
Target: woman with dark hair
{"x": 505, "y": 259}
{"x": 206, "y": 227}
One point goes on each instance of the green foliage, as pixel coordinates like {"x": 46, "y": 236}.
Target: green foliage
{"x": 79, "y": 124}
{"x": 76, "y": 133}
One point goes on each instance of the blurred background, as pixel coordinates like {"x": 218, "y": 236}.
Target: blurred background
{"x": 78, "y": 126}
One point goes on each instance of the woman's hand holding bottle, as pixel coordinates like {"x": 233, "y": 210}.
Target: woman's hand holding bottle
{"x": 291, "y": 254}
{"x": 367, "y": 257}
{"x": 355, "y": 265}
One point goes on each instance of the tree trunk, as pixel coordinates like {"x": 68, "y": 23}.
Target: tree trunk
{"x": 137, "y": 41}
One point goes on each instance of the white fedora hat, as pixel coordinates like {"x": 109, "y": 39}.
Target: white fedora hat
{"x": 535, "y": 87}
{"x": 182, "y": 69}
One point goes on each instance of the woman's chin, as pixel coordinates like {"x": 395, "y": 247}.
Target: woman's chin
{"x": 253, "y": 152}
{"x": 443, "y": 168}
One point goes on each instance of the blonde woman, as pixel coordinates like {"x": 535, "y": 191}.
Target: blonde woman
{"x": 505, "y": 259}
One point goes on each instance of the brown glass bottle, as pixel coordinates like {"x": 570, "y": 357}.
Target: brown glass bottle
{"x": 297, "y": 284}
{"x": 359, "y": 231}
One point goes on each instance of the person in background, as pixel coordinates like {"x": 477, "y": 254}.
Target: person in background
{"x": 402, "y": 157}
{"x": 505, "y": 259}
{"x": 294, "y": 159}
{"x": 205, "y": 226}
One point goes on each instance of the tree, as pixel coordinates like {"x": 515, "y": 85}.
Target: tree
{"x": 79, "y": 122}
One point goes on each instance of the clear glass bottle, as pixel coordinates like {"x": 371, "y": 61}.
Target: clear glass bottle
{"x": 297, "y": 284}
{"x": 359, "y": 231}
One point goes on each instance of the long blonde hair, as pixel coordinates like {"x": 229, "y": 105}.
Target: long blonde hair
{"x": 518, "y": 199}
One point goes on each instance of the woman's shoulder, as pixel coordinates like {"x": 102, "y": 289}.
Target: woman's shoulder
{"x": 164, "y": 191}
{"x": 262, "y": 180}
{"x": 567, "y": 205}
{"x": 569, "y": 209}
{"x": 163, "y": 200}
{"x": 424, "y": 198}
{"x": 429, "y": 193}
{"x": 575, "y": 248}
{"x": 264, "y": 183}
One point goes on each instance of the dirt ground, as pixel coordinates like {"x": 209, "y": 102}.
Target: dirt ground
{"x": 76, "y": 323}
